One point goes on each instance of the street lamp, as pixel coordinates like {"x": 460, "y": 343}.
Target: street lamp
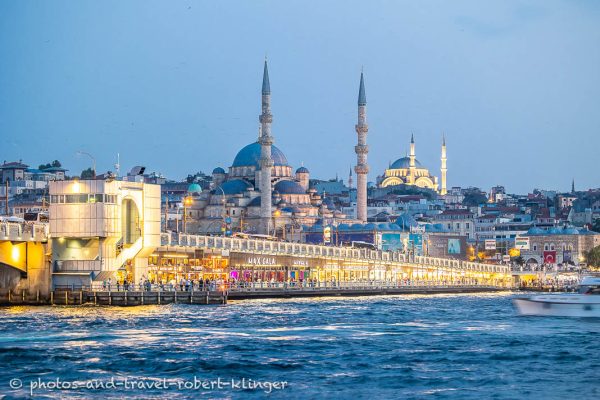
{"x": 85, "y": 153}
{"x": 276, "y": 214}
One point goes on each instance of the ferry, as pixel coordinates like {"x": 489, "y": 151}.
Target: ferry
{"x": 584, "y": 304}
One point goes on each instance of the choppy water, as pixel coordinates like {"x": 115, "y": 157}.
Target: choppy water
{"x": 445, "y": 346}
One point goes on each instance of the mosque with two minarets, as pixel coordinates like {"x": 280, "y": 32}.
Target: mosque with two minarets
{"x": 260, "y": 193}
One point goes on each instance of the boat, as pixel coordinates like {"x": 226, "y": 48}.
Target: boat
{"x": 586, "y": 303}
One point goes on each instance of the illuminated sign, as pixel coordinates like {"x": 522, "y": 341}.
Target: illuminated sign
{"x": 490, "y": 244}
{"x": 253, "y": 260}
{"x": 522, "y": 242}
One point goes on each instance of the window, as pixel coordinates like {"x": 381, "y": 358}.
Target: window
{"x": 76, "y": 198}
{"x": 95, "y": 198}
{"x": 535, "y": 247}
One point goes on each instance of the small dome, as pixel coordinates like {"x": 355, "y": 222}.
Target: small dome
{"x": 302, "y": 170}
{"x": 234, "y": 186}
{"x": 289, "y": 187}
{"x": 570, "y": 231}
{"x": 255, "y": 202}
{"x": 405, "y": 221}
{"x": 343, "y": 227}
{"x": 383, "y": 226}
{"x": 194, "y": 188}
{"x": 249, "y": 156}
{"x": 555, "y": 231}
{"x": 218, "y": 170}
{"x": 356, "y": 226}
{"x": 403, "y": 163}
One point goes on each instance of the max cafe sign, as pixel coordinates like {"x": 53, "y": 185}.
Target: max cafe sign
{"x": 262, "y": 260}
{"x": 522, "y": 242}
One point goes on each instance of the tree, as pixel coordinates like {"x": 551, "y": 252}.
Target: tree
{"x": 592, "y": 257}
{"x": 473, "y": 199}
{"x": 87, "y": 174}
{"x": 519, "y": 260}
{"x": 596, "y": 225}
{"x": 55, "y": 164}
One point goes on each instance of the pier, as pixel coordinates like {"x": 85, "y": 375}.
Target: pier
{"x": 140, "y": 296}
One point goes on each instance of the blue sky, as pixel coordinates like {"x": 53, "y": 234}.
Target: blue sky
{"x": 175, "y": 85}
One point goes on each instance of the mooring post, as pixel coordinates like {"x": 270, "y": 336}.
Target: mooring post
{"x": 158, "y": 296}
{"x": 80, "y": 297}
{"x": 23, "y": 295}
{"x": 207, "y": 295}
{"x": 95, "y": 298}
{"x": 142, "y": 298}
{"x": 175, "y": 296}
{"x": 37, "y": 297}
{"x": 125, "y": 297}
{"x": 52, "y": 297}
{"x": 66, "y": 297}
{"x": 9, "y": 300}
{"x": 110, "y": 298}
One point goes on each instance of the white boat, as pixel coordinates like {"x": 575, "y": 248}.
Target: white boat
{"x": 584, "y": 304}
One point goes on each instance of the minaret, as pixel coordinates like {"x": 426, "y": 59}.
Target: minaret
{"x": 361, "y": 149}
{"x": 443, "y": 189}
{"x": 413, "y": 160}
{"x": 265, "y": 162}
{"x": 350, "y": 181}
{"x": 573, "y": 186}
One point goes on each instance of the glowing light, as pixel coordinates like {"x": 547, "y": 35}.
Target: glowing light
{"x": 16, "y": 254}
{"x": 76, "y": 186}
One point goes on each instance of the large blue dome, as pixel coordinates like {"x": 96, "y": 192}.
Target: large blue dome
{"x": 404, "y": 162}
{"x": 249, "y": 156}
{"x": 234, "y": 186}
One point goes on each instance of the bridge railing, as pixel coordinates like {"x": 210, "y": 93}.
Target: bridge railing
{"x": 277, "y": 286}
{"x": 313, "y": 250}
{"x": 24, "y": 231}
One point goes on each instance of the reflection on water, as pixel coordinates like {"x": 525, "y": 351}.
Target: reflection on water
{"x": 445, "y": 346}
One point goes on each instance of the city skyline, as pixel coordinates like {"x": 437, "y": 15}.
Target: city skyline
{"x": 170, "y": 98}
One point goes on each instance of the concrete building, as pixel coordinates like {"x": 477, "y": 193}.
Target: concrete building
{"x": 556, "y": 246}
{"x": 102, "y": 229}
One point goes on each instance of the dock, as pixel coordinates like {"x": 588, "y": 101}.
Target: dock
{"x": 89, "y": 297}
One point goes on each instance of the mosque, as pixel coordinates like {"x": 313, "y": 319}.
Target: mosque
{"x": 409, "y": 171}
{"x": 237, "y": 200}
{"x": 260, "y": 194}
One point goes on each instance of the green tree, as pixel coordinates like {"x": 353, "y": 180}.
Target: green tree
{"x": 592, "y": 257}
{"x": 520, "y": 260}
{"x": 54, "y": 163}
{"x": 87, "y": 174}
{"x": 473, "y": 199}
{"x": 596, "y": 225}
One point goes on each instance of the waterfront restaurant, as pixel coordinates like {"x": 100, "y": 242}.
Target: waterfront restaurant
{"x": 194, "y": 265}
{"x": 266, "y": 268}
{"x": 172, "y": 265}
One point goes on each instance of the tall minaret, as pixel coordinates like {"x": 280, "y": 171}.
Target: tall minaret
{"x": 573, "y": 186}
{"x": 412, "y": 160}
{"x": 265, "y": 162}
{"x": 361, "y": 149}
{"x": 350, "y": 180}
{"x": 443, "y": 189}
